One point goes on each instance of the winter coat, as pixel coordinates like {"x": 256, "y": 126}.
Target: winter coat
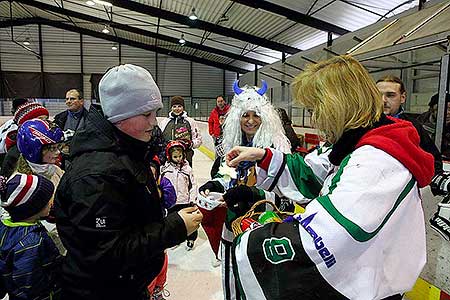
{"x": 213, "y": 120}
{"x": 29, "y": 262}
{"x": 158, "y": 145}
{"x": 168, "y": 193}
{"x": 61, "y": 118}
{"x": 364, "y": 212}
{"x": 7, "y": 127}
{"x": 181, "y": 127}
{"x": 426, "y": 143}
{"x": 109, "y": 216}
{"x": 182, "y": 179}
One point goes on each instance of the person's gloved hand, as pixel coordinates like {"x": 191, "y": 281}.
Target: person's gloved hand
{"x": 241, "y": 198}
{"x": 211, "y": 186}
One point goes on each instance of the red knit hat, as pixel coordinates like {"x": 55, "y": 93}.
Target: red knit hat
{"x": 29, "y": 111}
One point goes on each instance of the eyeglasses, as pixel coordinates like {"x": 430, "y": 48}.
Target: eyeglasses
{"x": 52, "y": 148}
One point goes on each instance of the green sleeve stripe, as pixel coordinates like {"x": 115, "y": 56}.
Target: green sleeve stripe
{"x": 303, "y": 176}
{"x": 352, "y": 228}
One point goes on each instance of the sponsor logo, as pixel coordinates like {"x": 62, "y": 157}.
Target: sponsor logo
{"x": 278, "y": 250}
{"x": 326, "y": 255}
{"x": 100, "y": 222}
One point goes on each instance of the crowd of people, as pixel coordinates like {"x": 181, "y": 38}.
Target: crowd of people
{"x": 93, "y": 199}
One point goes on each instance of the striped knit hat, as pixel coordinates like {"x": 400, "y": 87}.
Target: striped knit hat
{"x": 29, "y": 111}
{"x": 23, "y": 196}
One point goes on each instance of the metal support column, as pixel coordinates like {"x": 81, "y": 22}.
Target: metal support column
{"x": 442, "y": 106}
{"x": 82, "y": 68}
{"x": 256, "y": 75}
{"x": 41, "y": 54}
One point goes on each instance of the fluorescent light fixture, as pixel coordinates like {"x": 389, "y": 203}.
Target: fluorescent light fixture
{"x": 193, "y": 16}
{"x": 105, "y": 30}
{"x": 182, "y": 41}
{"x": 90, "y": 3}
{"x": 101, "y": 2}
{"x": 27, "y": 42}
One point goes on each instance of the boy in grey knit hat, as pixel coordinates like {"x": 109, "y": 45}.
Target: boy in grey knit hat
{"x": 107, "y": 206}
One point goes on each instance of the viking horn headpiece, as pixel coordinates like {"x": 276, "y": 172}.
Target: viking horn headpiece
{"x": 237, "y": 90}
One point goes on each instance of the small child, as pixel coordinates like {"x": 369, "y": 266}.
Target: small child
{"x": 178, "y": 171}
{"x": 29, "y": 259}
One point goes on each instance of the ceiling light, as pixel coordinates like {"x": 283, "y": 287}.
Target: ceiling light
{"x": 105, "y": 30}
{"x": 101, "y": 2}
{"x": 90, "y": 3}
{"x": 114, "y": 47}
{"x": 193, "y": 16}
{"x": 27, "y": 42}
{"x": 182, "y": 41}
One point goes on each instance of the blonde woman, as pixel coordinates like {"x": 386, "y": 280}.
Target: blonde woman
{"x": 351, "y": 240}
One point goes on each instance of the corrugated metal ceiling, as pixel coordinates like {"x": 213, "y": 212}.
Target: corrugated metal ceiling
{"x": 348, "y": 14}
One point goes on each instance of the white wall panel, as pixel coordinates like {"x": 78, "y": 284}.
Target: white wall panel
{"x": 61, "y": 50}
{"x": 140, "y": 57}
{"x": 230, "y": 77}
{"x": 16, "y": 58}
{"x": 206, "y": 81}
{"x": 98, "y": 56}
{"x": 174, "y": 76}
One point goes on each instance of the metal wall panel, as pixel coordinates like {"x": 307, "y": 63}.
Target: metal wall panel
{"x": 206, "y": 81}
{"x": 140, "y": 57}
{"x": 230, "y": 77}
{"x": 173, "y": 76}
{"x": 16, "y": 58}
{"x": 98, "y": 56}
{"x": 61, "y": 50}
{"x": 87, "y": 88}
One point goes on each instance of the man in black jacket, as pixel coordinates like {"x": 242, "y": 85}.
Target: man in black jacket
{"x": 394, "y": 95}
{"x": 74, "y": 116}
{"x": 107, "y": 206}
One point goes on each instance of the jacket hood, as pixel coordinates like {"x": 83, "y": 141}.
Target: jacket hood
{"x": 173, "y": 116}
{"x": 401, "y": 140}
{"x": 223, "y": 111}
{"x": 98, "y": 134}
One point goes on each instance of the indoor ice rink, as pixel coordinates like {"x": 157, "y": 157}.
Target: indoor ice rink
{"x": 99, "y": 76}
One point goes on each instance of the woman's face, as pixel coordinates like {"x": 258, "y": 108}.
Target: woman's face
{"x": 50, "y": 154}
{"x": 250, "y": 122}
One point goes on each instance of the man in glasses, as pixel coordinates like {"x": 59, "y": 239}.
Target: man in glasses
{"x": 73, "y": 117}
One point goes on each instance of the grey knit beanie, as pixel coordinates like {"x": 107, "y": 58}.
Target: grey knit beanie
{"x": 126, "y": 91}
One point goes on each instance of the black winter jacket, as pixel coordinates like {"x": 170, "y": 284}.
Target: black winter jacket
{"x": 109, "y": 216}
{"x": 61, "y": 118}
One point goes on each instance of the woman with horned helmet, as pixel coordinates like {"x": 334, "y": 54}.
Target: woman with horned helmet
{"x": 365, "y": 210}
{"x": 251, "y": 121}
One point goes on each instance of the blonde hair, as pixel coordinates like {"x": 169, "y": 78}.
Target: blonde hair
{"x": 341, "y": 93}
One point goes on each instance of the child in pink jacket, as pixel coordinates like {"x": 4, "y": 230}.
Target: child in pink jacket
{"x": 180, "y": 174}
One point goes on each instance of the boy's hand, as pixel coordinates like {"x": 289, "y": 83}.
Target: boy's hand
{"x": 192, "y": 218}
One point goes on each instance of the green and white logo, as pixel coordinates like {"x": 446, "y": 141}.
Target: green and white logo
{"x": 278, "y": 250}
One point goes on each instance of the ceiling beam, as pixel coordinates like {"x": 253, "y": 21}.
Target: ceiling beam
{"x": 211, "y": 27}
{"x": 294, "y": 15}
{"x": 124, "y": 27}
{"x": 123, "y": 41}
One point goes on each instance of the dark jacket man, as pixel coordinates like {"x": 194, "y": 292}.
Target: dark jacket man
{"x": 107, "y": 205}
{"x": 109, "y": 219}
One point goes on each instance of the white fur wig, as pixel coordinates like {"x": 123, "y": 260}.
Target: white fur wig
{"x": 269, "y": 134}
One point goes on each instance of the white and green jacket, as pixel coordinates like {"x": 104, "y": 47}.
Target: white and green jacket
{"x": 363, "y": 227}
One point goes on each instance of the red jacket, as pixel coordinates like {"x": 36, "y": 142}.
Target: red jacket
{"x": 213, "y": 121}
